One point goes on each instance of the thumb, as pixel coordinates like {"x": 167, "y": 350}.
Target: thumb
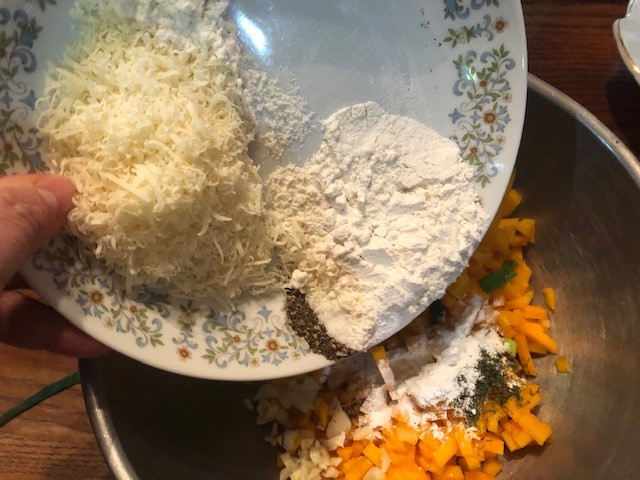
{"x": 33, "y": 208}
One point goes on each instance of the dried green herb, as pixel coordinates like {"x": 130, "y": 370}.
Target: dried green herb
{"x": 491, "y": 384}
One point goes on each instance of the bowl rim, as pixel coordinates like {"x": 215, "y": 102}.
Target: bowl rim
{"x": 186, "y": 351}
{"x": 90, "y": 372}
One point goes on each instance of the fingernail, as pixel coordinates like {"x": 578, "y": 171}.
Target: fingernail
{"x": 57, "y": 191}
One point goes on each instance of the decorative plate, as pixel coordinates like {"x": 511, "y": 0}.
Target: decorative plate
{"x": 458, "y": 66}
{"x": 626, "y": 31}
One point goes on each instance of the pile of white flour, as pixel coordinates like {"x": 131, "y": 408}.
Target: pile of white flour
{"x": 282, "y": 116}
{"x": 377, "y": 224}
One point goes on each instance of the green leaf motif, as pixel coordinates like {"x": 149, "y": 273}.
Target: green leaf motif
{"x": 485, "y": 114}
{"x": 19, "y": 140}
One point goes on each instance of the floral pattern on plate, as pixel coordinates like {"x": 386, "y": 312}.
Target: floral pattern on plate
{"x": 19, "y": 139}
{"x": 256, "y": 341}
{"x": 482, "y": 118}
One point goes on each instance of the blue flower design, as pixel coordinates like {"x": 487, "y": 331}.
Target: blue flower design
{"x": 18, "y": 145}
{"x": 459, "y": 9}
{"x": 265, "y": 338}
{"x": 484, "y": 111}
{"x": 187, "y": 320}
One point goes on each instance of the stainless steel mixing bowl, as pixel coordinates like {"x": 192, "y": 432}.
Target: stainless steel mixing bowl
{"x": 583, "y": 187}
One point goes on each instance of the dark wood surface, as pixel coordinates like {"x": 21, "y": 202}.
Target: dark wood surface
{"x": 571, "y": 46}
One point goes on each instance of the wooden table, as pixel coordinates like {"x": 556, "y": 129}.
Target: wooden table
{"x": 570, "y": 46}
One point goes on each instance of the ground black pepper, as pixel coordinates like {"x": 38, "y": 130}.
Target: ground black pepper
{"x": 304, "y": 322}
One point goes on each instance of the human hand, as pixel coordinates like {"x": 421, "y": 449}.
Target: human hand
{"x": 32, "y": 209}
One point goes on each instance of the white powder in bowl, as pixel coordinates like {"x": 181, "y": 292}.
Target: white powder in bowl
{"x": 439, "y": 373}
{"x": 375, "y": 227}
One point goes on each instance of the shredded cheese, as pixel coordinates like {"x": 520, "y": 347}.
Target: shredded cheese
{"x": 155, "y": 138}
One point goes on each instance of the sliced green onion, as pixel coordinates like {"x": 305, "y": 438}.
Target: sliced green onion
{"x": 39, "y": 397}
{"x": 511, "y": 345}
{"x": 494, "y": 280}
{"x": 436, "y": 312}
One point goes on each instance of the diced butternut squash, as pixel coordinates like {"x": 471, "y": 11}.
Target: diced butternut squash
{"x": 535, "y": 347}
{"x": 501, "y": 241}
{"x": 356, "y": 468}
{"x": 529, "y": 396}
{"x": 427, "y": 445}
{"x": 492, "y": 467}
{"x": 477, "y": 475}
{"x": 493, "y": 415}
{"x": 527, "y": 227}
{"x": 444, "y": 453}
{"x": 357, "y": 449}
{"x": 507, "y": 224}
{"x": 492, "y": 444}
{"x": 407, "y": 434}
{"x": 538, "y": 430}
{"x": 510, "y": 202}
{"x": 378, "y": 353}
{"x": 534, "y": 312}
{"x": 509, "y": 441}
{"x": 524, "y": 355}
{"x": 373, "y": 453}
{"x": 545, "y": 323}
{"x": 519, "y": 435}
{"x": 466, "y": 448}
{"x": 562, "y": 364}
{"x": 345, "y": 453}
{"x": 407, "y": 472}
{"x": 519, "y": 241}
{"x": 549, "y": 298}
{"x": 452, "y": 472}
{"x": 393, "y": 442}
{"x": 523, "y": 275}
{"x": 516, "y": 432}
{"x": 514, "y": 317}
{"x": 399, "y": 458}
{"x": 422, "y": 462}
{"x": 535, "y": 332}
{"x": 511, "y": 290}
{"x": 519, "y": 302}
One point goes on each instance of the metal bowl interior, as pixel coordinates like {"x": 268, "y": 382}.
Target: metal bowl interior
{"x": 583, "y": 187}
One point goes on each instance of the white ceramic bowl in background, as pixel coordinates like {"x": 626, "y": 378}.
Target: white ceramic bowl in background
{"x": 458, "y": 66}
{"x": 626, "y": 31}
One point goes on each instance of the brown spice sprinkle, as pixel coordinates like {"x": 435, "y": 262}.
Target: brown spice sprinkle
{"x": 305, "y": 323}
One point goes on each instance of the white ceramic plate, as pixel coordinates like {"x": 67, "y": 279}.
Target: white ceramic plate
{"x": 626, "y": 31}
{"x": 458, "y": 66}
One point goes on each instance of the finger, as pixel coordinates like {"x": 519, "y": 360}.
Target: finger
{"x": 32, "y": 208}
{"x": 27, "y": 323}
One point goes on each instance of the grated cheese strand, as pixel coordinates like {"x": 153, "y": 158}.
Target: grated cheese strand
{"x": 155, "y": 138}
